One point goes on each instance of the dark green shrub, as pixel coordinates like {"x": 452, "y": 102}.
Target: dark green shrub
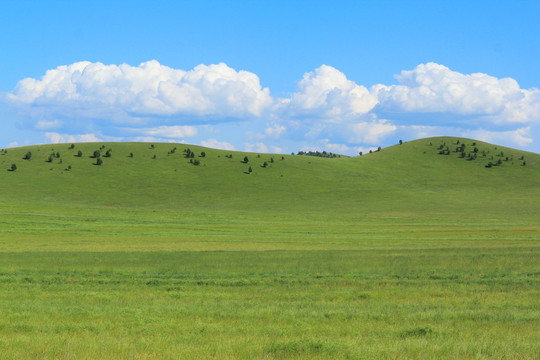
{"x": 13, "y": 167}
{"x": 27, "y": 156}
{"x": 99, "y": 161}
{"x": 246, "y": 160}
{"x": 79, "y": 153}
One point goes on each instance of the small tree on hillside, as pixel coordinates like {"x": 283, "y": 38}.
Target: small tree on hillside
{"x": 99, "y": 161}
{"x": 96, "y": 154}
{"x": 13, "y": 167}
{"x": 27, "y": 156}
{"x": 246, "y": 160}
{"x": 79, "y": 153}
{"x": 250, "y": 170}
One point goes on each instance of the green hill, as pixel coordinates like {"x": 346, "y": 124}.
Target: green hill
{"x": 420, "y": 250}
{"x": 411, "y": 179}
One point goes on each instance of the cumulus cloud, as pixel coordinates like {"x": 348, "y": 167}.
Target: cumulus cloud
{"x": 125, "y": 93}
{"x": 370, "y": 132}
{"x": 275, "y": 130}
{"x": 257, "y": 147}
{"x": 328, "y": 93}
{"x": 520, "y": 137}
{"x": 175, "y": 131}
{"x": 153, "y": 101}
{"x": 215, "y": 144}
{"x": 57, "y": 138}
{"x": 434, "y": 88}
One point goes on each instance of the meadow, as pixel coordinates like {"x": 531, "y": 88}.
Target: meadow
{"x": 402, "y": 253}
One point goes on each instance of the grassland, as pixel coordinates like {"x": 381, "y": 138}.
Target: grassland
{"x": 403, "y": 253}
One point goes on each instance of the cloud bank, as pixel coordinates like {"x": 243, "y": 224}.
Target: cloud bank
{"x": 91, "y": 101}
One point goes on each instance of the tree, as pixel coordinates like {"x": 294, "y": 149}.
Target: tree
{"x": 99, "y": 161}
{"x": 130, "y": 154}
{"x": 79, "y": 153}
{"x": 246, "y": 160}
{"x": 108, "y": 153}
{"x": 49, "y": 159}
{"x": 272, "y": 160}
{"x": 265, "y": 164}
{"x": 250, "y": 170}
{"x": 379, "y": 148}
{"x": 27, "y": 156}
{"x": 13, "y": 167}
{"x": 360, "y": 153}
{"x": 400, "y": 142}
{"x": 203, "y": 154}
{"x": 96, "y": 154}
{"x": 71, "y": 146}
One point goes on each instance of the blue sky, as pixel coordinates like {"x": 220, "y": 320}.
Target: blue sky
{"x": 270, "y": 76}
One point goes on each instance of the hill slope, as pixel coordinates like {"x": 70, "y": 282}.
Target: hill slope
{"x": 408, "y": 179}
{"x": 400, "y": 253}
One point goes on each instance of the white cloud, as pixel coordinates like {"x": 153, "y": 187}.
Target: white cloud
{"x": 126, "y": 93}
{"x": 275, "y": 130}
{"x": 328, "y": 93}
{"x": 176, "y": 131}
{"x": 214, "y": 144}
{"x": 153, "y": 101}
{"x": 257, "y": 147}
{"x": 57, "y": 138}
{"x": 434, "y": 88}
{"x": 519, "y": 137}
{"x": 370, "y": 132}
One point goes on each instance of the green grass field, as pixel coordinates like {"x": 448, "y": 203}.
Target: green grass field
{"x": 402, "y": 253}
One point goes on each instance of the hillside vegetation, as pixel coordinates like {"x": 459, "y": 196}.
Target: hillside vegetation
{"x": 408, "y": 179}
{"x": 420, "y": 250}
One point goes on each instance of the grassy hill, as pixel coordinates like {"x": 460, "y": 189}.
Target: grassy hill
{"x": 413, "y": 251}
{"x": 405, "y": 179}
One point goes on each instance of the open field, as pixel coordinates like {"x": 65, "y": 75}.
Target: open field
{"x": 402, "y": 253}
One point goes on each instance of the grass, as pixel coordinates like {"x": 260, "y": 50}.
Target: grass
{"x": 403, "y": 253}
